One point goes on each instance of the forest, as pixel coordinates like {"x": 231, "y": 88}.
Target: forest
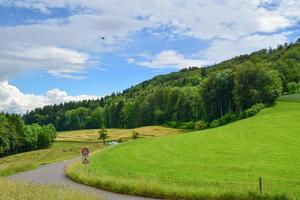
{"x": 193, "y": 98}
{"x": 16, "y": 137}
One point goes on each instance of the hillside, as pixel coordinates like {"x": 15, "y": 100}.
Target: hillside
{"x": 208, "y": 163}
{"x": 185, "y": 97}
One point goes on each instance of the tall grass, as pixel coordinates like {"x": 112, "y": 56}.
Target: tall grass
{"x": 58, "y": 152}
{"x": 25, "y": 191}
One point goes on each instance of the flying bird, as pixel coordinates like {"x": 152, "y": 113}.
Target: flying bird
{"x": 103, "y": 38}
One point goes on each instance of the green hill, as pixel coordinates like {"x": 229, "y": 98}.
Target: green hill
{"x": 187, "y": 96}
{"x": 209, "y": 163}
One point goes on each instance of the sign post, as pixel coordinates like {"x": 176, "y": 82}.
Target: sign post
{"x": 85, "y": 154}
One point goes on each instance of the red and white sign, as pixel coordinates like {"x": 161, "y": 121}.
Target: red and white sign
{"x": 85, "y": 161}
{"x": 85, "y": 151}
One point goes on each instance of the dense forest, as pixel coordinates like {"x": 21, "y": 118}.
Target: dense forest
{"x": 16, "y": 137}
{"x": 191, "y": 98}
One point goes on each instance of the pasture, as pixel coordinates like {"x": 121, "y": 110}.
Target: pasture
{"x": 220, "y": 163}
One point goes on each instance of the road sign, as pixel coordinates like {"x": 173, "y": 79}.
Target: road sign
{"x": 85, "y": 161}
{"x": 85, "y": 151}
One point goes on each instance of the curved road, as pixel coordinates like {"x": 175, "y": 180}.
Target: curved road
{"x": 54, "y": 174}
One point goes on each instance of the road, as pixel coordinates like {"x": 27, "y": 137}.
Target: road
{"x": 53, "y": 174}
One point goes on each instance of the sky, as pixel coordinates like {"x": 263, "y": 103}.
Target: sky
{"x": 53, "y": 51}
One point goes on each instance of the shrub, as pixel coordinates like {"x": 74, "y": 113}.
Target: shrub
{"x": 214, "y": 124}
{"x": 292, "y": 87}
{"x": 172, "y": 124}
{"x": 187, "y": 125}
{"x": 135, "y": 135}
{"x": 254, "y": 109}
{"x": 200, "y": 125}
{"x": 227, "y": 118}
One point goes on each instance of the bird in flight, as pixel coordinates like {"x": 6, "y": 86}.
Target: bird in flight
{"x": 103, "y": 38}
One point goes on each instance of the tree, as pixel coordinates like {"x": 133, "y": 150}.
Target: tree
{"x": 255, "y": 84}
{"x": 4, "y": 140}
{"x": 103, "y": 135}
{"x": 292, "y": 87}
{"x": 217, "y": 94}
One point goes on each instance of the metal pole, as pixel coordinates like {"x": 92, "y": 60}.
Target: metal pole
{"x": 260, "y": 185}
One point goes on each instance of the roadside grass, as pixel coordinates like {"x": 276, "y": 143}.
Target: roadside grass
{"x": 219, "y": 163}
{"x": 117, "y": 134}
{"x": 24, "y": 191}
{"x": 30, "y": 160}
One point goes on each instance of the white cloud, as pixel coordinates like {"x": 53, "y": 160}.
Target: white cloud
{"x": 60, "y": 62}
{"x": 169, "y": 59}
{"x": 220, "y": 50}
{"x": 219, "y": 23}
{"x": 14, "y": 101}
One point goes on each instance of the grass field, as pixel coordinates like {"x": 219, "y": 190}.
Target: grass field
{"x": 19, "y": 190}
{"x": 117, "y": 134}
{"x": 207, "y": 164}
{"x": 68, "y": 145}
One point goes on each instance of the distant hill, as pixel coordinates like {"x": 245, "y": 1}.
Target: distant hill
{"x": 187, "y": 96}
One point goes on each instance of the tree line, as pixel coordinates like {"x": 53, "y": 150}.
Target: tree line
{"x": 191, "y": 98}
{"x": 16, "y": 137}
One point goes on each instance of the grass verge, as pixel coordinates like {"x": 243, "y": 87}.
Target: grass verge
{"x": 30, "y": 160}
{"x": 25, "y": 191}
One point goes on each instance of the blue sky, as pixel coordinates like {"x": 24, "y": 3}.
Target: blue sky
{"x": 51, "y": 51}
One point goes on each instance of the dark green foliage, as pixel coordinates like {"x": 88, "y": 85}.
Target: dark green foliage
{"x": 292, "y": 87}
{"x": 15, "y": 137}
{"x": 254, "y": 110}
{"x": 200, "y": 125}
{"x": 190, "y": 95}
{"x": 255, "y": 84}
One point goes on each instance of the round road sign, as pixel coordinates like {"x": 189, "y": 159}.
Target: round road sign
{"x": 85, "y": 151}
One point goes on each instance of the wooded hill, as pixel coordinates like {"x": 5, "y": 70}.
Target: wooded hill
{"x": 191, "y": 98}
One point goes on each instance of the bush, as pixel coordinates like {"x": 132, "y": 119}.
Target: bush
{"x": 227, "y": 118}
{"x": 200, "y": 125}
{"x": 187, "y": 125}
{"x": 292, "y": 87}
{"x": 135, "y": 135}
{"x": 254, "y": 109}
{"x": 215, "y": 123}
{"x": 172, "y": 124}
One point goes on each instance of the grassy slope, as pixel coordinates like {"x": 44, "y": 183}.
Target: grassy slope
{"x": 214, "y": 161}
{"x": 18, "y": 190}
{"x": 290, "y": 98}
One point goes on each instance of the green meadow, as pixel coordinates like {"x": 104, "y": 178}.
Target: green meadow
{"x": 219, "y": 163}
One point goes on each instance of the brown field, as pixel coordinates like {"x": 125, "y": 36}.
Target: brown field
{"x": 116, "y": 134}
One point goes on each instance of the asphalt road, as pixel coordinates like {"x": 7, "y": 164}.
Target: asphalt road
{"x": 53, "y": 174}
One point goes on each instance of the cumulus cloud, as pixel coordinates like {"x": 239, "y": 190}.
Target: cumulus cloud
{"x": 60, "y": 62}
{"x": 169, "y": 59}
{"x": 65, "y": 39}
{"x": 220, "y": 50}
{"x": 14, "y": 101}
